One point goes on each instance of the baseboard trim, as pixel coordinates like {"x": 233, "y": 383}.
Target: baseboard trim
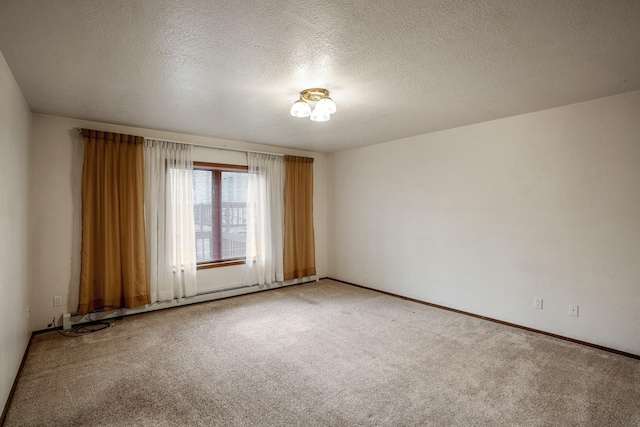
{"x": 502, "y": 322}
{"x": 44, "y": 331}
{"x": 15, "y": 382}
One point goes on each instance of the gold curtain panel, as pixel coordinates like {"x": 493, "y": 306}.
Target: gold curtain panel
{"x": 299, "y": 243}
{"x": 113, "y": 259}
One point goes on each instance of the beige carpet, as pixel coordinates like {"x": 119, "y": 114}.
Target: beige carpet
{"x": 320, "y": 354}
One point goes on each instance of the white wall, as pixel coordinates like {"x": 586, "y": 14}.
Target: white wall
{"x": 483, "y": 218}
{"x": 15, "y": 262}
{"x": 57, "y": 169}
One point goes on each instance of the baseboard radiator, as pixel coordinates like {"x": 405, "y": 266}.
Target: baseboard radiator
{"x": 69, "y": 320}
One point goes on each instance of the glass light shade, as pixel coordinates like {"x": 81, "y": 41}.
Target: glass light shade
{"x": 327, "y": 105}
{"x": 320, "y": 115}
{"x": 300, "y": 109}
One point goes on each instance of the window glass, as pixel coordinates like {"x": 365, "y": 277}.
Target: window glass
{"x": 220, "y": 211}
{"x": 234, "y": 214}
{"x": 202, "y": 206}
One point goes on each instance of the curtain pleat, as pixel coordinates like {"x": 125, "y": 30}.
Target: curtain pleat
{"x": 299, "y": 243}
{"x": 113, "y": 270}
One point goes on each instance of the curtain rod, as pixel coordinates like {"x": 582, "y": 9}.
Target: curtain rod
{"x": 214, "y": 147}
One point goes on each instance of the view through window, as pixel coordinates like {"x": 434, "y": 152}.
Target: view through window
{"x": 220, "y": 210}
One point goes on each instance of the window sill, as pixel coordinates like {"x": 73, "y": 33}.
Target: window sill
{"x": 216, "y": 264}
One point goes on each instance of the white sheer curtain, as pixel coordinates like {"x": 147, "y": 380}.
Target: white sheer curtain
{"x": 265, "y": 219}
{"x": 169, "y": 221}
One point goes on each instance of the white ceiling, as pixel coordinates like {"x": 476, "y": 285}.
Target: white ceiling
{"x": 232, "y": 69}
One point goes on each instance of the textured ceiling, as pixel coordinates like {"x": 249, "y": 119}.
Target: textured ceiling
{"x": 232, "y": 69}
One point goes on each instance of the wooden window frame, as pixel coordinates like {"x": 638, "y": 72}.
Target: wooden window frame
{"x": 216, "y": 213}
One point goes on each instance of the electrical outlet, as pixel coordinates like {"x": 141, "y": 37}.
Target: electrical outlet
{"x": 28, "y": 312}
{"x": 57, "y": 301}
{"x": 537, "y": 303}
{"x": 366, "y": 269}
{"x": 349, "y": 266}
{"x": 573, "y": 310}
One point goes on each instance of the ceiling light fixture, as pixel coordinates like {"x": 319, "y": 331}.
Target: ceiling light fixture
{"x": 324, "y": 105}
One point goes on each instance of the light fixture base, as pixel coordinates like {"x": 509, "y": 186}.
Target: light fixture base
{"x": 314, "y": 94}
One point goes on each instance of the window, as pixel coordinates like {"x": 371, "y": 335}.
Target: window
{"x": 220, "y": 211}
